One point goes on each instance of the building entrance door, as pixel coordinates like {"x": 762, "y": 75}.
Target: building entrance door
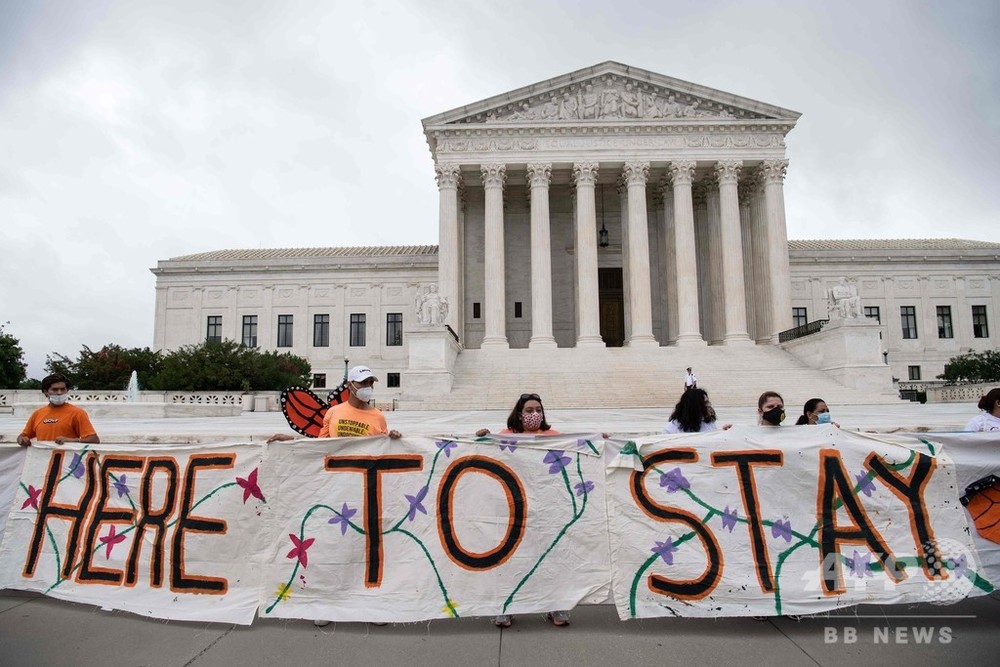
{"x": 612, "y": 306}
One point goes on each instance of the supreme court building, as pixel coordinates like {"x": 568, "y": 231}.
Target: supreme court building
{"x": 611, "y": 207}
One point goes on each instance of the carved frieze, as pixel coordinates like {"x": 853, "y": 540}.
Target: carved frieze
{"x": 609, "y": 98}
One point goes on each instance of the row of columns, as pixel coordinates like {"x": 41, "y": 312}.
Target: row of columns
{"x": 766, "y": 241}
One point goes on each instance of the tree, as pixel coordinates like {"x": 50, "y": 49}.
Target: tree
{"x": 13, "y": 370}
{"x": 107, "y": 368}
{"x": 228, "y": 366}
{"x": 973, "y": 368}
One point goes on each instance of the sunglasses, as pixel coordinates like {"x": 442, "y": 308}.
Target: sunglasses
{"x": 531, "y": 397}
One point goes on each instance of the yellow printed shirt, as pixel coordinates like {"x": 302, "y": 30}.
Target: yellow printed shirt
{"x": 345, "y": 420}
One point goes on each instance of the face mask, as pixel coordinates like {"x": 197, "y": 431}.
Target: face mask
{"x": 774, "y": 416}
{"x": 364, "y": 394}
{"x": 531, "y": 421}
{"x": 58, "y": 399}
{"x": 823, "y": 418}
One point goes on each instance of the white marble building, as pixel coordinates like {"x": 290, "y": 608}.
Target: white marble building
{"x": 609, "y": 207}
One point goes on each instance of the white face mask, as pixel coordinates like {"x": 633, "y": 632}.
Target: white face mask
{"x": 58, "y": 399}
{"x": 364, "y": 394}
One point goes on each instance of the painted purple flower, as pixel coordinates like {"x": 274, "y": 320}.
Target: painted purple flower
{"x": 729, "y": 518}
{"x": 958, "y": 566}
{"x": 865, "y": 484}
{"x": 674, "y": 480}
{"x": 416, "y": 503}
{"x": 583, "y": 488}
{"x": 557, "y": 462}
{"x": 76, "y": 466}
{"x": 121, "y": 485}
{"x": 343, "y": 518}
{"x": 446, "y": 445}
{"x": 665, "y": 550}
{"x": 782, "y": 529}
{"x": 509, "y": 445}
{"x": 860, "y": 564}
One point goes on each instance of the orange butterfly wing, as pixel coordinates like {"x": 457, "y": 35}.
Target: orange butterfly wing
{"x": 304, "y": 410}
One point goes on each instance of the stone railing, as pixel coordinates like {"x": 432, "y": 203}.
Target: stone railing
{"x": 8, "y": 397}
{"x": 958, "y": 393}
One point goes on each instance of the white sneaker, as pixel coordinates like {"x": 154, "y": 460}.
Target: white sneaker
{"x": 321, "y": 624}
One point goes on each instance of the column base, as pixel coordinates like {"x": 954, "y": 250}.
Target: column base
{"x": 737, "y": 339}
{"x": 590, "y": 341}
{"x": 542, "y": 342}
{"x": 495, "y": 343}
{"x": 691, "y": 340}
{"x": 642, "y": 340}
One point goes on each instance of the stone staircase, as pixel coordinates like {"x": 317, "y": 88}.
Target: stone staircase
{"x": 635, "y": 377}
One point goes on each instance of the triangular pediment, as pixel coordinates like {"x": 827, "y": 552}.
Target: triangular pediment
{"x": 611, "y": 93}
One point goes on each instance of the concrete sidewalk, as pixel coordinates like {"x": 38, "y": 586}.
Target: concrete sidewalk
{"x": 38, "y": 631}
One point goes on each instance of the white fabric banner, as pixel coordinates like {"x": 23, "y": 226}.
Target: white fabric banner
{"x": 747, "y": 521}
{"x": 770, "y": 521}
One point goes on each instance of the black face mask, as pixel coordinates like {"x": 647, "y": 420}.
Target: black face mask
{"x": 774, "y": 416}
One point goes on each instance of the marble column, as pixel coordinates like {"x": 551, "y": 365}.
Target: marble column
{"x": 669, "y": 262}
{"x": 494, "y": 308}
{"x": 734, "y": 298}
{"x": 714, "y": 320}
{"x": 539, "y": 175}
{"x": 773, "y": 172}
{"x": 761, "y": 262}
{"x": 688, "y": 333}
{"x": 640, "y": 296}
{"x": 622, "y": 189}
{"x": 744, "y": 193}
{"x": 449, "y": 176}
{"x": 588, "y": 316}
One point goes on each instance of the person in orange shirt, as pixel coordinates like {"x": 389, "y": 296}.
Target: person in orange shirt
{"x": 58, "y": 421}
{"x": 356, "y": 417}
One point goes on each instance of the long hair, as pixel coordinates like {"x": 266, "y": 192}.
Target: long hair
{"x": 989, "y": 400}
{"x": 691, "y": 410}
{"x": 514, "y": 419}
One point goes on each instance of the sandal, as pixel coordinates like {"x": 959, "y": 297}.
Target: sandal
{"x": 502, "y": 621}
{"x": 560, "y": 619}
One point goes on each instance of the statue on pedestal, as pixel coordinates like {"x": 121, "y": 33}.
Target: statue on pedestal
{"x": 843, "y": 301}
{"x": 431, "y": 307}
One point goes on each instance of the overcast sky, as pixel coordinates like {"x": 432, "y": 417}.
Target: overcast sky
{"x": 137, "y": 131}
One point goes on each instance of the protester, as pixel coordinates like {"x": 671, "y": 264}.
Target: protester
{"x": 815, "y": 411}
{"x": 690, "y": 380}
{"x": 989, "y": 418}
{"x": 693, "y": 414}
{"x": 59, "y": 421}
{"x": 356, "y": 417}
{"x": 770, "y": 409}
{"x": 528, "y": 416}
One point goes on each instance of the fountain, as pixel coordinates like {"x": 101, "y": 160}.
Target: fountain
{"x": 132, "y": 388}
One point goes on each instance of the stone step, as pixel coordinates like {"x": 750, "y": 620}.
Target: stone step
{"x": 635, "y": 377}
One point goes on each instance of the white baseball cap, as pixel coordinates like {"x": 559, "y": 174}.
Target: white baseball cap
{"x": 360, "y": 374}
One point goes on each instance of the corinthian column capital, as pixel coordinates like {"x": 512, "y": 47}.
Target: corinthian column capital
{"x": 448, "y": 176}
{"x": 539, "y": 174}
{"x": 635, "y": 172}
{"x": 773, "y": 171}
{"x": 494, "y": 175}
{"x": 728, "y": 171}
{"x": 585, "y": 173}
{"x": 681, "y": 172}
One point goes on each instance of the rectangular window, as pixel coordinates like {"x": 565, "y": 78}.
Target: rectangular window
{"x": 284, "y": 330}
{"x": 213, "y": 332}
{"x": 392, "y": 380}
{"x": 872, "y": 312}
{"x": 321, "y": 331}
{"x": 250, "y": 330}
{"x": 319, "y": 380}
{"x": 944, "y": 322}
{"x": 908, "y": 317}
{"x": 517, "y": 309}
{"x": 393, "y": 329}
{"x": 914, "y": 372}
{"x": 799, "y": 317}
{"x": 980, "y": 327}
{"x": 476, "y": 311}
{"x": 357, "y": 329}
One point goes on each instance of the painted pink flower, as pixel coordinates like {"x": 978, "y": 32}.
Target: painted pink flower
{"x": 110, "y": 540}
{"x": 32, "y": 500}
{"x": 301, "y": 549}
{"x": 250, "y": 486}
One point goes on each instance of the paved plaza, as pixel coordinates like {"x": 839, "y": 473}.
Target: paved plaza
{"x": 41, "y": 631}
